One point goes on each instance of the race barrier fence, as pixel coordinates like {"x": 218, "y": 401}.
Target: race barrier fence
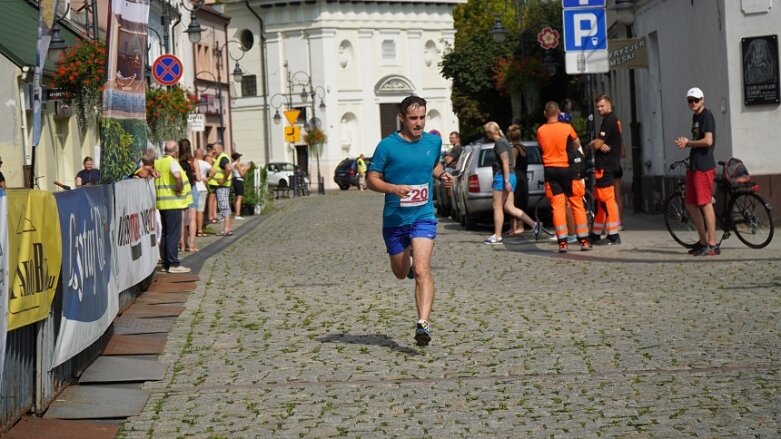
{"x": 69, "y": 262}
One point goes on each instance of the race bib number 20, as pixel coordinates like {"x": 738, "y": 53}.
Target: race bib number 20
{"x": 418, "y": 196}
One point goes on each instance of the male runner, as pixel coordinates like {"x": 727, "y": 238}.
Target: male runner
{"x": 401, "y": 168}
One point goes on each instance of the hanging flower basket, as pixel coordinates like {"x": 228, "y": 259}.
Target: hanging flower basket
{"x": 81, "y": 73}
{"x": 166, "y": 112}
{"x": 315, "y": 136}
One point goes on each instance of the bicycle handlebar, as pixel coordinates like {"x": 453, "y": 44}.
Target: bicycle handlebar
{"x": 684, "y": 162}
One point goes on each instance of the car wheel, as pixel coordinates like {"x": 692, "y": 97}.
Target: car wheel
{"x": 470, "y": 222}
{"x": 344, "y": 187}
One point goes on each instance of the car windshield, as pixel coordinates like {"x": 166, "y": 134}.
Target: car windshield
{"x": 286, "y": 167}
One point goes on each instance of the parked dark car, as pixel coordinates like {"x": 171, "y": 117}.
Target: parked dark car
{"x": 346, "y": 173}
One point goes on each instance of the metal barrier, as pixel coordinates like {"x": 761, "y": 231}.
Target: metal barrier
{"x": 29, "y": 383}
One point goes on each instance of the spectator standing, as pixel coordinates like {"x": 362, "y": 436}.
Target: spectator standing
{"x": 211, "y": 201}
{"x": 360, "y": 164}
{"x": 701, "y": 173}
{"x": 88, "y": 176}
{"x": 520, "y": 157}
{"x": 455, "y": 152}
{"x": 239, "y": 171}
{"x": 187, "y": 243}
{"x": 221, "y": 182}
{"x": 402, "y": 168}
{"x": 553, "y": 137}
{"x": 173, "y": 196}
{"x": 504, "y": 184}
{"x": 206, "y": 171}
{"x": 607, "y": 162}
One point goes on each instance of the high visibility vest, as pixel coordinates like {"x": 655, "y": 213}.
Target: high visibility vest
{"x": 220, "y": 173}
{"x": 165, "y": 185}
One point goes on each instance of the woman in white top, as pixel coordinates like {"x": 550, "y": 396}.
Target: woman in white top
{"x": 206, "y": 172}
{"x": 239, "y": 171}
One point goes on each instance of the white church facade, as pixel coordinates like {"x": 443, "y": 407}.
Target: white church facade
{"x": 346, "y": 65}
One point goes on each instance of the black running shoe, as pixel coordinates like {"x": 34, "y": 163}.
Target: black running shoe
{"x": 423, "y": 334}
{"x": 696, "y": 248}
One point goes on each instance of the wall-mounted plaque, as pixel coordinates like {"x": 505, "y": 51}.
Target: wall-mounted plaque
{"x": 760, "y": 70}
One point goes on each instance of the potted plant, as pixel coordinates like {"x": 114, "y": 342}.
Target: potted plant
{"x": 255, "y": 197}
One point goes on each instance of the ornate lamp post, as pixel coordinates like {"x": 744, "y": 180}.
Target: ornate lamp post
{"x": 309, "y": 95}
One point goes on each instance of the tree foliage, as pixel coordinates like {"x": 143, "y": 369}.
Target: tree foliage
{"x": 475, "y": 59}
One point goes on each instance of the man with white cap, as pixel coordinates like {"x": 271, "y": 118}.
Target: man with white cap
{"x": 701, "y": 173}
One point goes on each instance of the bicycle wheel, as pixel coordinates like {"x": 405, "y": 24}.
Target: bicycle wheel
{"x": 751, "y": 219}
{"x": 588, "y": 205}
{"x": 543, "y": 213}
{"x": 678, "y": 223}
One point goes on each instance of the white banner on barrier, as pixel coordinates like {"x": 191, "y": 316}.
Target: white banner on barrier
{"x": 3, "y": 275}
{"x": 136, "y": 233}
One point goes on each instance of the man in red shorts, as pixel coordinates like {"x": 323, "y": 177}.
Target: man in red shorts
{"x": 701, "y": 173}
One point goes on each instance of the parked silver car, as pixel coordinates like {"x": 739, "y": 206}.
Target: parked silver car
{"x": 472, "y": 193}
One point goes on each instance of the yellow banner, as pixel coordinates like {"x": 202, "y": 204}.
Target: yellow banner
{"x": 35, "y": 255}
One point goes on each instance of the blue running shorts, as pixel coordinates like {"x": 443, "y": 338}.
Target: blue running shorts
{"x": 399, "y": 238}
{"x": 498, "y": 184}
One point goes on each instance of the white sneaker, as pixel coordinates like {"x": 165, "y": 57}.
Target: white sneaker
{"x": 179, "y": 269}
{"x": 238, "y": 217}
{"x": 492, "y": 240}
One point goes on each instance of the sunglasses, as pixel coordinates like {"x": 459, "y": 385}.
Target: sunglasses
{"x": 693, "y": 100}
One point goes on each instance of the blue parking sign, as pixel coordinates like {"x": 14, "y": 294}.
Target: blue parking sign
{"x": 585, "y": 29}
{"x": 582, "y": 3}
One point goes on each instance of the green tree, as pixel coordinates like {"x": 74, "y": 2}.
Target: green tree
{"x": 492, "y": 81}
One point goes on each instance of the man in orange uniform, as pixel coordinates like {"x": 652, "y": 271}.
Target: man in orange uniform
{"x": 559, "y": 175}
{"x": 607, "y": 162}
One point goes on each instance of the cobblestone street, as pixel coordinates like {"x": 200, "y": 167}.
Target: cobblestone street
{"x": 301, "y": 330}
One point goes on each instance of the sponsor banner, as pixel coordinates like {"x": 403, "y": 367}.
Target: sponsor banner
{"x": 34, "y": 255}
{"x": 89, "y": 295}
{"x": 3, "y": 274}
{"x": 135, "y": 231}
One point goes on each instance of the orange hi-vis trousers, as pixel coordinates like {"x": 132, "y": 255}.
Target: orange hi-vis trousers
{"x": 559, "y": 205}
{"x": 606, "y": 215}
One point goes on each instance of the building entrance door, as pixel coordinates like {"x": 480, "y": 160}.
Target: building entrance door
{"x": 389, "y": 119}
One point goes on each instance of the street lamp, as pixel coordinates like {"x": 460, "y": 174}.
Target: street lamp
{"x": 305, "y": 80}
{"x": 194, "y": 29}
{"x": 237, "y": 75}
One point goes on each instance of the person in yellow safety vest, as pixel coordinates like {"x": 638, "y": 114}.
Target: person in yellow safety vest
{"x": 173, "y": 194}
{"x": 221, "y": 181}
{"x": 360, "y": 163}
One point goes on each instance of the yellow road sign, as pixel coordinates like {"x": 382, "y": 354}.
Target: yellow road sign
{"x": 292, "y": 116}
{"x": 293, "y": 134}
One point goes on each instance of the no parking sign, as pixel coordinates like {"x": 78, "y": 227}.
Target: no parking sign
{"x": 167, "y": 69}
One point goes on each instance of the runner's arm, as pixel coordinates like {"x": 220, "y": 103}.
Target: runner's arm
{"x": 376, "y": 183}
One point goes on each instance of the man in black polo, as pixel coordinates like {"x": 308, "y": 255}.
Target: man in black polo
{"x": 607, "y": 162}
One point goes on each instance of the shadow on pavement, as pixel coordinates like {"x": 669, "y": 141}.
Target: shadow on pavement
{"x": 368, "y": 339}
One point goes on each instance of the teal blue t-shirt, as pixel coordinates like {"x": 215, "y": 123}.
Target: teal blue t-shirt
{"x": 410, "y": 163}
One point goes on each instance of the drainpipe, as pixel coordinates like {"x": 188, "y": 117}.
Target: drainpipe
{"x": 264, "y": 82}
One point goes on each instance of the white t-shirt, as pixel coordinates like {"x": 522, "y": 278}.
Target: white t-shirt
{"x": 200, "y": 186}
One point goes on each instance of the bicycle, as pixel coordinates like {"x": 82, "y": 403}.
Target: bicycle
{"x": 544, "y": 214}
{"x": 747, "y": 213}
